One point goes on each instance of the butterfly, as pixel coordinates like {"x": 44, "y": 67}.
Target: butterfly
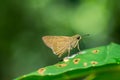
{"x": 62, "y": 44}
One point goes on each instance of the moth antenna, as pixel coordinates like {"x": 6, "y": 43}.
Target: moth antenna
{"x": 85, "y": 35}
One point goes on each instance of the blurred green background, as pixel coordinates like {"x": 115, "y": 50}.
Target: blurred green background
{"x": 24, "y": 22}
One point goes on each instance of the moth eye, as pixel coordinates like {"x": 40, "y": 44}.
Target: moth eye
{"x": 78, "y": 37}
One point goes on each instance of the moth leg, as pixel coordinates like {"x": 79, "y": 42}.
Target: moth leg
{"x": 78, "y": 47}
{"x": 68, "y": 52}
{"x": 77, "y": 44}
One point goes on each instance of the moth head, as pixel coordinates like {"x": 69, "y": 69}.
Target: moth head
{"x": 78, "y": 37}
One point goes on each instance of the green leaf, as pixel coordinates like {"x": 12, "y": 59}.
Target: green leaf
{"x": 86, "y": 64}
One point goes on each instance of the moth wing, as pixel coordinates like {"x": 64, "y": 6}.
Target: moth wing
{"x": 58, "y": 44}
{"x": 61, "y": 45}
{"x": 48, "y": 40}
{"x": 60, "y": 51}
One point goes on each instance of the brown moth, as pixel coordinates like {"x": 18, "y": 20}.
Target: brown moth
{"x": 62, "y": 44}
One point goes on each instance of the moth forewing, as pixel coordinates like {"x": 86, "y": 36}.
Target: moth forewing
{"x": 47, "y": 40}
{"x": 61, "y": 45}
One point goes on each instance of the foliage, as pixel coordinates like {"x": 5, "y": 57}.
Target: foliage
{"x": 88, "y": 64}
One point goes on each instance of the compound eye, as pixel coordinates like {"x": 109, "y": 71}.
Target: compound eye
{"x": 78, "y": 37}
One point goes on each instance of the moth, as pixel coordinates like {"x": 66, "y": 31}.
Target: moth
{"x": 62, "y": 44}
